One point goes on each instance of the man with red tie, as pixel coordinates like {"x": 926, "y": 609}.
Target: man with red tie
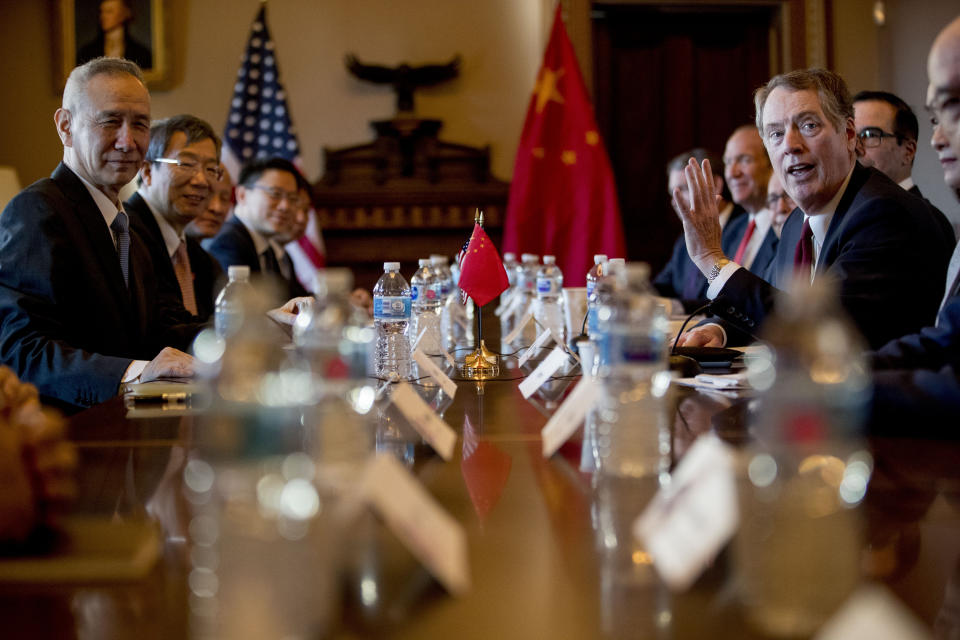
{"x": 747, "y": 169}
{"x": 853, "y": 224}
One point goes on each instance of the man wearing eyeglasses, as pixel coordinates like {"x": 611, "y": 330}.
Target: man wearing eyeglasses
{"x": 267, "y": 202}
{"x": 79, "y": 312}
{"x": 176, "y": 185}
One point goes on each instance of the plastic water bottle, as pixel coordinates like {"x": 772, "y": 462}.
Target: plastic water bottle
{"x": 633, "y": 435}
{"x": 549, "y": 309}
{"x": 228, "y": 309}
{"x": 510, "y": 265}
{"x": 797, "y": 551}
{"x": 595, "y": 273}
{"x": 606, "y": 282}
{"x": 425, "y": 296}
{"x": 330, "y": 332}
{"x": 527, "y": 288}
{"x": 391, "y": 316}
{"x": 440, "y": 266}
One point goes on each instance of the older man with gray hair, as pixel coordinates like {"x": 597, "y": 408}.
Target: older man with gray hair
{"x": 853, "y": 224}
{"x": 79, "y": 315}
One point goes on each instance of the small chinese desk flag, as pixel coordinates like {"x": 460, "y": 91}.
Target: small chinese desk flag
{"x": 482, "y": 276}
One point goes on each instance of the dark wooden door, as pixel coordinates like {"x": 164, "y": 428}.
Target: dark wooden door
{"x": 668, "y": 80}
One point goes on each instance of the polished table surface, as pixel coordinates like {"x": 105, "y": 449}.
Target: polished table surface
{"x": 542, "y": 561}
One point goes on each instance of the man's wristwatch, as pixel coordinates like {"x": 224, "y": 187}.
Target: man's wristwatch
{"x": 716, "y": 269}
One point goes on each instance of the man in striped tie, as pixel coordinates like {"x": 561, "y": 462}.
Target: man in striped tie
{"x": 79, "y": 312}
{"x": 852, "y": 224}
{"x": 176, "y": 186}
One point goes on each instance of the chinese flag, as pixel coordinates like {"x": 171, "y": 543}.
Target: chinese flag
{"x": 562, "y": 199}
{"x": 482, "y": 276}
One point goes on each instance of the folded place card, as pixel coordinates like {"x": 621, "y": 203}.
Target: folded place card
{"x": 569, "y": 416}
{"x": 543, "y": 372}
{"x": 411, "y": 513}
{"x": 539, "y": 343}
{"x": 691, "y": 519}
{"x": 428, "y": 424}
{"x": 430, "y": 368}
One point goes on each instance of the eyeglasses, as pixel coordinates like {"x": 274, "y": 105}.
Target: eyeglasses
{"x": 873, "y": 136}
{"x": 774, "y": 199}
{"x": 189, "y": 166}
{"x": 276, "y": 195}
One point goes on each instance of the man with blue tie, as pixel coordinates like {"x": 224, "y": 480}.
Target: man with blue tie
{"x": 853, "y": 224}
{"x": 78, "y": 311}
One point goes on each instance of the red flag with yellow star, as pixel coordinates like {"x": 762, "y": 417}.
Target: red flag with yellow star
{"x": 482, "y": 276}
{"x": 562, "y": 199}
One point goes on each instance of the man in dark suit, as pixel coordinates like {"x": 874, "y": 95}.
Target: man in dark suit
{"x": 680, "y": 279}
{"x": 747, "y": 169}
{"x": 267, "y": 201}
{"x": 114, "y": 37}
{"x": 852, "y": 224}
{"x": 176, "y": 185}
{"x": 887, "y": 131}
{"x": 917, "y": 377}
{"x": 78, "y": 312}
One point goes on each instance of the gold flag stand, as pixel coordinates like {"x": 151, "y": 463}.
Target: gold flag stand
{"x": 480, "y": 364}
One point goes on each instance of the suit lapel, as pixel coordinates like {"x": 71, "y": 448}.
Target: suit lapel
{"x": 831, "y": 245}
{"x": 96, "y": 229}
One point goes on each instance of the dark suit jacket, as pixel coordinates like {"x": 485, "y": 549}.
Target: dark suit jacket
{"x": 681, "y": 279}
{"x": 233, "y": 245}
{"x": 207, "y": 274}
{"x": 132, "y": 50}
{"x": 766, "y": 252}
{"x": 942, "y": 221}
{"x": 68, "y": 324}
{"x": 917, "y": 380}
{"x": 882, "y": 247}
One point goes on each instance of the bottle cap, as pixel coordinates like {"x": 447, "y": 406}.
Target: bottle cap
{"x": 620, "y": 261}
{"x": 424, "y": 262}
{"x": 549, "y": 259}
{"x": 438, "y": 260}
{"x": 238, "y": 272}
{"x": 530, "y": 257}
{"x": 509, "y": 255}
{"x": 599, "y": 257}
{"x": 391, "y": 266}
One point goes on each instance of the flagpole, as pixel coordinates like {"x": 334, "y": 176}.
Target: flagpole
{"x": 482, "y": 363}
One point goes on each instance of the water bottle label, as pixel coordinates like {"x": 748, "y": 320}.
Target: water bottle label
{"x": 591, "y": 285}
{"x": 547, "y": 285}
{"x": 391, "y": 308}
{"x": 430, "y": 294}
{"x": 414, "y": 292}
{"x": 631, "y": 347}
{"x": 445, "y": 288}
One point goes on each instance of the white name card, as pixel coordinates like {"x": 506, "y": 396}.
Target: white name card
{"x": 543, "y": 372}
{"x": 569, "y": 416}
{"x": 540, "y": 342}
{"x": 436, "y": 539}
{"x": 873, "y": 612}
{"x": 517, "y": 330}
{"x": 688, "y": 522}
{"x": 428, "y": 424}
{"x": 429, "y": 367}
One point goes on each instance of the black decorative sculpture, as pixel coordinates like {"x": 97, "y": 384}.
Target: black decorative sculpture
{"x": 404, "y": 78}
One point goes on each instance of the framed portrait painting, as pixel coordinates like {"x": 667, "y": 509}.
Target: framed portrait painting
{"x": 131, "y": 29}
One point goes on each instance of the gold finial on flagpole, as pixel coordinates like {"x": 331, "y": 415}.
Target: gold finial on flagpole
{"x": 476, "y": 215}
{"x": 481, "y": 218}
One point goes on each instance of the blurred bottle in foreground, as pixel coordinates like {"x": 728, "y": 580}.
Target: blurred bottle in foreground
{"x": 391, "y": 316}
{"x": 228, "y": 307}
{"x": 632, "y": 432}
{"x": 798, "y": 548}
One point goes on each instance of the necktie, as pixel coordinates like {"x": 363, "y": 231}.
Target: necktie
{"x": 953, "y": 279}
{"x": 269, "y": 261}
{"x": 181, "y": 267}
{"x": 803, "y": 254}
{"x": 120, "y": 227}
{"x": 742, "y": 249}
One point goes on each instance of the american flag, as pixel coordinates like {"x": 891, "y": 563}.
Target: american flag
{"x": 460, "y": 257}
{"x": 259, "y": 123}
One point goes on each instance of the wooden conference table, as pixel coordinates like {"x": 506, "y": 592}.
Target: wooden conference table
{"x": 549, "y": 548}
